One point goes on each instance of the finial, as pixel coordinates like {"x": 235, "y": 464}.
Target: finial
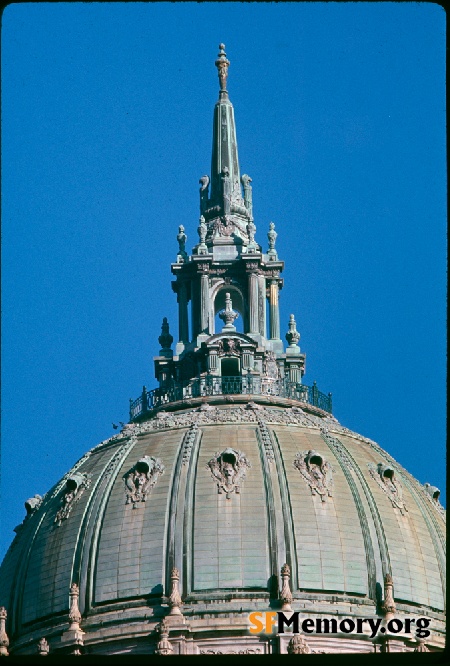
{"x": 272, "y": 236}
{"x": 175, "y": 598}
{"x": 228, "y": 315}
{"x": 251, "y": 230}
{"x": 181, "y": 238}
{"x": 298, "y": 645}
{"x": 222, "y": 65}
{"x": 74, "y": 612}
{"x": 292, "y": 336}
{"x": 164, "y": 646}
{"x": 165, "y": 339}
{"x": 43, "y": 647}
{"x": 202, "y": 231}
{"x": 4, "y": 640}
{"x": 286, "y": 594}
{"x": 388, "y": 605}
{"x": 204, "y": 182}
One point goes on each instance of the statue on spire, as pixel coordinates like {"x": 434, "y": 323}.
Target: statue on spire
{"x": 222, "y": 65}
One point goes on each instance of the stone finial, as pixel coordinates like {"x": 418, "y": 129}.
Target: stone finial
{"x": 228, "y": 315}
{"x": 292, "y": 336}
{"x": 421, "y": 647}
{"x": 298, "y": 645}
{"x": 74, "y": 612}
{"x": 175, "y": 597}
{"x": 202, "y": 230}
{"x": 77, "y": 647}
{"x": 252, "y": 245}
{"x": 222, "y": 65}
{"x": 272, "y": 236}
{"x": 388, "y": 605}
{"x": 165, "y": 339}
{"x": 181, "y": 238}
{"x": 164, "y": 647}
{"x": 4, "y": 640}
{"x": 43, "y": 647}
{"x": 285, "y": 594}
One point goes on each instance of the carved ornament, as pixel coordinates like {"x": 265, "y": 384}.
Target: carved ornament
{"x": 141, "y": 478}
{"x": 4, "y": 640}
{"x": 73, "y": 490}
{"x": 270, "y": 365}
{"x": 229, "y": 346}
{"x": 247, "y": 651}
{"x": 385, "y": 477}
{"x": 228, "y": 469}
{"x": 298, "y": 645}
{"x": 43, "y": 647}
{"x": 316, "y": 471}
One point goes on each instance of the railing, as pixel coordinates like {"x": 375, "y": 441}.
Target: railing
{"x": 210, "y": 385}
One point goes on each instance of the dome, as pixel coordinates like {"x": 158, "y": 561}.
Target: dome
{"x": 232, "y": 493}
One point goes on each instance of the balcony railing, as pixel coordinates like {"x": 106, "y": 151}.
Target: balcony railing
{"x": 210, "y": 385}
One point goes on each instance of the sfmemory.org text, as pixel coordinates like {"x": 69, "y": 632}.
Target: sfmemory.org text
{"x": 266, "y": 622}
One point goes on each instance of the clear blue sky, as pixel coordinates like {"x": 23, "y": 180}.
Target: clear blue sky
{"x": 107, "y": 127}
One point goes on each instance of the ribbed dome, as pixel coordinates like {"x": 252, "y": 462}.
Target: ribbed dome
{"x": 232, "y": 490}
{"x": 302, "y": 489}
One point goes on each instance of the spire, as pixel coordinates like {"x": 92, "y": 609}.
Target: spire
{"x": 224, "y": 162}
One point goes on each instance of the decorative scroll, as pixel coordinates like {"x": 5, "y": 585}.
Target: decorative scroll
{"x": 316, "y": 471}
{"x": 385, "y": 477}
{"x": 141, "y": 478}
{"x": 228, "y": 469}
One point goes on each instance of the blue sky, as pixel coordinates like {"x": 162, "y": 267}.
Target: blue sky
{"x": 107, "y": 127}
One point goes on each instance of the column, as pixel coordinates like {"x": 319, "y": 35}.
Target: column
{"x": 204, "y": 302}
{"x": 253, "y": 302}
{"x": 274, "y": 310}
{"x": 183, "y": 322}
{"x": 262, "y": 305}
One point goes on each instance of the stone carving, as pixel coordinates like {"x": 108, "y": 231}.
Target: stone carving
{"x": 228, "y": 469}
{"x": 421, "y": 647}
{"x": 164, "y": 647}
{"x": 43, "y": 647}
{"x": 252, "y": 245}
{"x": 228, "y": 315}
{"x": 74, "y": 611}
{"x": 292, "y": 336}
{"x": 432, "y": 493}
{"x": 317, "y": 473}
{"x": 140, "y": 479}
{"x": 189, "y": 439}
{"x": 247, "y": 651}
{"x": 270, "y": 366}
{"x": 229, "y": 346}
{"x": 175, "y": 597}
{"x": 222, "y": 65}
{"x": 78, "y": 647}
{"x": 4, "y": 640}
{"x": 266, "y": 440}
{"x": 225, "y": 227}
{"x": 385, "y": 477}
{"x": 181, "y": 238}
{"x": 388, "y": 605}
{"x": 204, "y": 181}
{"x": 298, "y": 645}
{"x": 165, "y": 339}
{"x": 286, "y": 594}
{"x": 272, "y": 236}
{"x": 246, "y": 180}
{"x": 75, "y": 487}
{"x": 32, "y": 504}
{"x": 202, "y": 231}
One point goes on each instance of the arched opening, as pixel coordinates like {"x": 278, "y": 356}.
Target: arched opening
{"x": 237, "y": 305}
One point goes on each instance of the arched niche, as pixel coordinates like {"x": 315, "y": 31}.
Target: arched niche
{"x": 218, "y": 304}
